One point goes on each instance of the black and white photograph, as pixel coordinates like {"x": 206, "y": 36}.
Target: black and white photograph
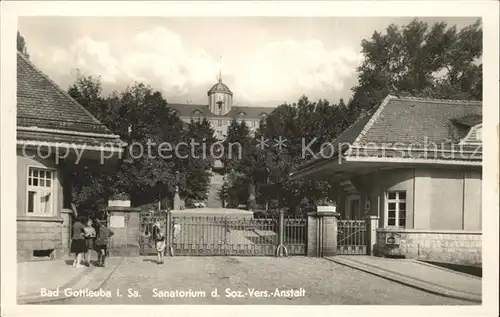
{"x": 246, "y": 159}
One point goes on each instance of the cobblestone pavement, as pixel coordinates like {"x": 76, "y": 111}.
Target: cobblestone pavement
{"x": 323, "y": 282}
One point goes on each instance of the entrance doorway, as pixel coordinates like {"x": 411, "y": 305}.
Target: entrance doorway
{"x": 353, "y": 205}
{"x": 351, "y": 232}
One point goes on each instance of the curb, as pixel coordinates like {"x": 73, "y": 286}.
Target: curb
{"x": 408, "y": 281}
{"x": 448, "y": 270}
{"x": 73, "y": 283}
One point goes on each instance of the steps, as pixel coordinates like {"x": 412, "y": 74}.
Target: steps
{"x": 213, "y": 200}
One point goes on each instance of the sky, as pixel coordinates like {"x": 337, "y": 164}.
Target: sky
{"x": 265, "y": 61}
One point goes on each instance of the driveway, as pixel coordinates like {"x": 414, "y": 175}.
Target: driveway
{"x": 253, "y": 280}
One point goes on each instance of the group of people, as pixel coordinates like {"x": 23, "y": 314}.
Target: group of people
{"x": 89, "y": 234}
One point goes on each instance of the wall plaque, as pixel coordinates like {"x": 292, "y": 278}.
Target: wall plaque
{"x": 117, "y": 222}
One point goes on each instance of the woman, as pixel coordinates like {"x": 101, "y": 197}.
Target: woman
{"x": 90, "y": 235}
{"x": 159, "y": 239}
{"x": 78, "y": 246}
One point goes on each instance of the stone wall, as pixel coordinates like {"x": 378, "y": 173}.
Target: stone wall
{"x": 448, "y": 246}
{"x": 39, "y": 235}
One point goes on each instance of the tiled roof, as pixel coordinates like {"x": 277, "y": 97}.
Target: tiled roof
{"x": 403, "y": 121}
{"x": 42, "y": 103}
{"x": 188, "y": 110}
{"x": 416, "y": 120}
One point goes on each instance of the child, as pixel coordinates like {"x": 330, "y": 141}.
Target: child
{"x": 101, "y": 243}
{"x": 159, "y": 239}
{"x": 90, "y": 235}
{"x": 177, "y": 229}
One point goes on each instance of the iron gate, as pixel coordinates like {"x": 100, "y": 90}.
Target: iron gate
{"x": 215, "y": 235}
{"x": 351, "y": 237}
{"x": 146, "y": 222}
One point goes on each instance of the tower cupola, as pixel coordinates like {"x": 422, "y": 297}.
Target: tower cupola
{"x": 220, "y": 98}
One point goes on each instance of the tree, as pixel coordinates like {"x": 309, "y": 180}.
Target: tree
{"x": 265, "y": 171}
{"x": 420, "y": 60}
{"x": 21, "y": 45}
{"x": 87, "y": 91}
{"x": 90, "y": 183}
{"x": 236, "y": 159}
{"x": 197, "y": 164}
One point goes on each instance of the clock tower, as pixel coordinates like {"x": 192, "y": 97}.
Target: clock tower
{"x": 220, "y": 98}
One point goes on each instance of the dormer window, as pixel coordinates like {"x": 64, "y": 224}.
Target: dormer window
{"x": 196, "y": 115}
{"x": 475, "y": 135}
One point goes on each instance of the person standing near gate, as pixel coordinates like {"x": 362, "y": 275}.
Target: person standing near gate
{"x": 101, "y": 243}
{"x": 159, "y": 239}
{"x": 176, "y": 229}
{"x": 78, "y": 246}
{"x": 90, "y": 235}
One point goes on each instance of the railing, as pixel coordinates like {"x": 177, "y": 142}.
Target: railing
{"x": 76, "y": 126}
{"x": 224, "y": 236}
{"x": 295, "y": 235}
{"x": 146, "y": 222}
{"x": 213, "y": 235}
{"x": 351, "y": 237}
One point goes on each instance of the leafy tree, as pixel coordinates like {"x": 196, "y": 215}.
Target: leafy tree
{"x": 237, "y": 149}
{"x": 90, "y": 182}
{"x": 200, "y": 161}
{"x": 420, "y": 60}
{"x": 21, "y": 45}
{"x": 267, "y": 169}
{"x": 155, "y": 161}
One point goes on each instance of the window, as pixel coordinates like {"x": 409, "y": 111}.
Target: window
{"x": 40, "y": 194}
{"x": 396, "y": 209}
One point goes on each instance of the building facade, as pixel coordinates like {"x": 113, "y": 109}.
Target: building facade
{"x": 53, "y": 132}
{"x": 414, "y": 166}
{"x": 220, "y": 111}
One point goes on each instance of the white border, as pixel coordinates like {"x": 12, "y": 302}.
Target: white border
{"x": 488, "y": 10}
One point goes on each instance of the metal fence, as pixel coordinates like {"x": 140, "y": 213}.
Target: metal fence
{"x": 146, "y": 222}
{"x": 215, "y": 235}
{"x": 351, "y": 237}
{"x": 225, "y": 236}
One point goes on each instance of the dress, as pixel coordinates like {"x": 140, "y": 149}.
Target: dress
{"x": 159, "y": 239}
{"x": 78, "y": 241}
{"x": 90, "y": 235}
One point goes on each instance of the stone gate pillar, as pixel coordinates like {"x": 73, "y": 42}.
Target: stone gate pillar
{"x": 66, "y": 227}
{"x": 322, "y": 233}
{"x": 124, "y": 222}
{"x": 371, "y": 233}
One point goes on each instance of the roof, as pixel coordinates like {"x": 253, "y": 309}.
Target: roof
{"x": 220, "y": 87}
{"x": 188, "y": 110}
{"x": 42, "y": 104}
{"x": 407, "y": 122}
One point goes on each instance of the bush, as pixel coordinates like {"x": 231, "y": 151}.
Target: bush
{"x": 120, "y": 196}
{"x": 325, "y": 202}
{"x": 189, "y": 203}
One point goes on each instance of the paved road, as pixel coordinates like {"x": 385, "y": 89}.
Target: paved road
{"x": 315, "y": 281}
